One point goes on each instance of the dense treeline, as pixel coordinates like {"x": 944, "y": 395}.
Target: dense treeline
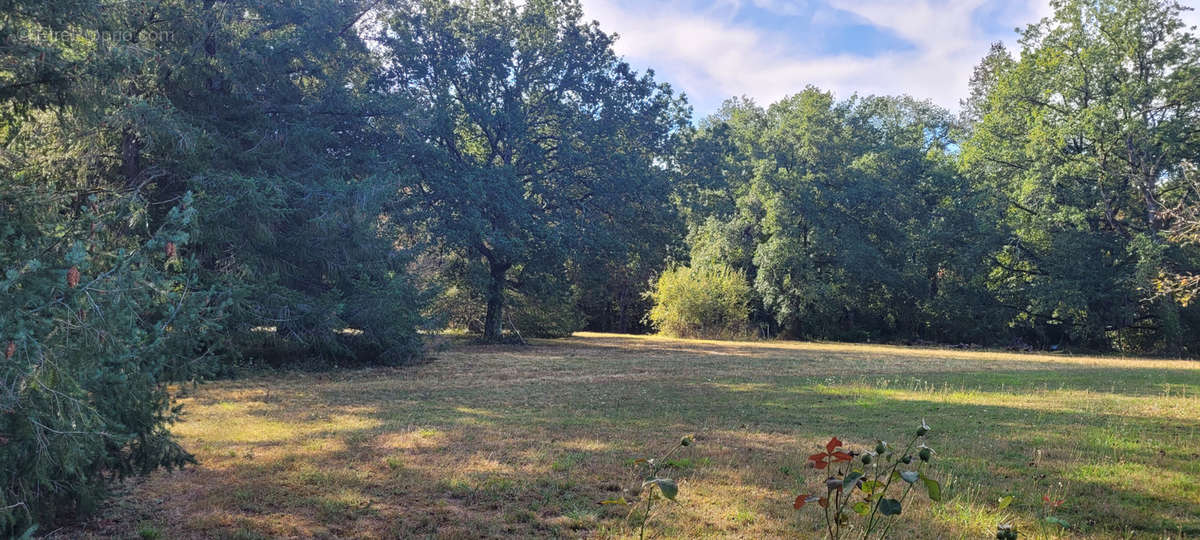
{"x": 188, "y": 186}
{"x": 849, "y": 217}
{"x": 1053, "y": 212}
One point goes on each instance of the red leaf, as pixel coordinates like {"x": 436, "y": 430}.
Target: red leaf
{"x": 832, "y": 445}
{"x": 800, "y": 500}
{"x": 824, "y": 502}
{"x": 817, "y": 457}
{"x": 820, "y": 464}
{"x": 842, "y": 456}
{"x": 1045, "y": 498}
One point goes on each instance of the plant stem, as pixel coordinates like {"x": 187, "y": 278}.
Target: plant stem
{"x": 891, "y": 472}
{"x": 658, "y": 465}
{"x": 837, "y": 512}
{"x": 828, "y": 525}
{"x": 888, "y": 527}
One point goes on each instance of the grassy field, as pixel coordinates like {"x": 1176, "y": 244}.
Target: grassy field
{"x": 487, "y": 441}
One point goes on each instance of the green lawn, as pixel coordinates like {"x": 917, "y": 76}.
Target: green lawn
{"x": 523, "y": 441}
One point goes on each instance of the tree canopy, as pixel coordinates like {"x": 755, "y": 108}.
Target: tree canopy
{"x": 189, "y": 188}
{"x": 1085, "y": 138}
{"x": 538, "y": 147}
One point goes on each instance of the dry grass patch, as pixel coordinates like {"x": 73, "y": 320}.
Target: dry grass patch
{"x": 506, "y": 441}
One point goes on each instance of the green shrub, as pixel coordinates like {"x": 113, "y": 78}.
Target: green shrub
{"x": 708, "y": 301}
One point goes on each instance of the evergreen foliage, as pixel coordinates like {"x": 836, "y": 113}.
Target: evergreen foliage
{"x": 100, "y": 301}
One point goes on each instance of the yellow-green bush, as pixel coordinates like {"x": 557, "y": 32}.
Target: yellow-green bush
{"x": 707, "y": 301}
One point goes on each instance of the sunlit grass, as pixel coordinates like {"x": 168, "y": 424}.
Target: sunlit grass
{"x": 524, "y": 441}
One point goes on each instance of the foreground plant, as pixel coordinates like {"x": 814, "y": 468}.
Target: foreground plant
{"x": 654, "y": 483}
{"x": 861, "y": 483}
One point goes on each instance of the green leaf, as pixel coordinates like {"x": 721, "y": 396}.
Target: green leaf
{"x": 667, "y": 486}
{"x": 861, "y": 508}
{"x": 619, "y": 500}
{"x": 933, "y": 487}
{"x": 1058, "y": 521}
{"x": 852, "y": 479}
{"x": 870, "y": 486}
{"x": 889, "y": 507}
{"x": 1004, "y": 502}
{"x": 909, "y": 476}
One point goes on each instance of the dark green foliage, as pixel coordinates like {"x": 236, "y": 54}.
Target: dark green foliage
{"x": 1085, "y": 139}
{"x": 849, "y": 217}
{"x": 291, "y": 180}
{"x": 117, "y": 280}
{"x": 100, "y": 301}
{"x": 537, "y": 145}
{"x": 538, "y": 304}
{"x": 1055, "y": 211}
{"x": 84, "y": 395}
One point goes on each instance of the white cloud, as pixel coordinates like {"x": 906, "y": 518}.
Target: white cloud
{"x": 1192, "y": 18}
{"x": 711, "y": 57}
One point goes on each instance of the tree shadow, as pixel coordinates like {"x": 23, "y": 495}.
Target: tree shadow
{"x": 384, "y": 453}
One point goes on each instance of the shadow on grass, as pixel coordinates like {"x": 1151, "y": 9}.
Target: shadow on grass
{"x": 388, "y": 454}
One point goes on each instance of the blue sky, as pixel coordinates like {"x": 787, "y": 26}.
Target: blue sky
{"x": 766, "y": 49}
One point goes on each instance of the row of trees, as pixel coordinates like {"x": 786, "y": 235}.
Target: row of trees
{"x": 188, "y": 185}
{"x": 1057, "y": 209}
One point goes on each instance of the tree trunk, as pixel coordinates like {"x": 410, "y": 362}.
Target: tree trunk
{"x": 493, "y": 323}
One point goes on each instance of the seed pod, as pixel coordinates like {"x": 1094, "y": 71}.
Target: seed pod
{"x": 73, "y": 277}
{"x": 925, "y": 454}
{"x": 866, "y": 458}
